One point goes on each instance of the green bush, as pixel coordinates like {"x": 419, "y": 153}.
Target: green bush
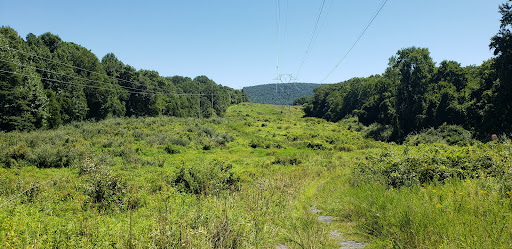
{"x": 105, "y": 189}
{"x": 205, "y": 179}
{"x": 435, "y": 163}
{"x": 446, "y": 134}
{"x": 379, "y": 132}
{"x": 181, "y": 141}
{"x": 54, "y": 156}
{"x": 12, "y": 155}
{"x": 172, "y": 149}
{"x": 287, "y": 160}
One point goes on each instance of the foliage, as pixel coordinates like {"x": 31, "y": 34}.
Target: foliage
{"x": 446, "y": 134}
{"x": 120, "y": 186}
{"x": 414, "y": 94}
{"x": 104, "y": 188}
{"x": 119, "y": 181}
{"x": 498, "y": 112}
{"x": 459, "y": 214}
{"x": 48, "y": 82}
{"x": 436, "y": 163}
{"x": 301, "y": 100}
{"x": 260, "y": 176}
{"x": 205, "y": 179}
{"x": 279, "y": 94}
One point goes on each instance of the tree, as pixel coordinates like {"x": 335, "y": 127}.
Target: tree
{"x": 452, "y": 72}
{"x": 416, "y": 68}
{"x": 498, "y": 115}
{"x": 23, "y": 102}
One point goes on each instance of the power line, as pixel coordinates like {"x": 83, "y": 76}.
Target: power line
{"x": 357, "y": 40}
{"x": 77, "y": 77}
{"x": 103, "y": 88}
{"x": 278, "y": 20}
{"x": 21, "y": 193}
{"x": 72, "y": 66}
{"x": 135, "y": 90}
{"x": 311, "y": 39}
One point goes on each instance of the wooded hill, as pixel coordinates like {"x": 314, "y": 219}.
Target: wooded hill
{"x": 46, "y": 82}
{"x": 415, "y": 93}
{"x": 279, "y": 94}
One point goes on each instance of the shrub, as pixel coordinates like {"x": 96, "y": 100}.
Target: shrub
{"x": 344, "y": 147}
{"x": 172, "y": 149}
{"x": 316, "y": 145}
{"x": 260, "y": 143}
{"x": 12, "y": 155}
{"x": 205, "y": 179}
{"x": 287, "y": 160}
{"x": 446, "y": 134}
{"x": 181, "y": 141}
{"x": 54, "y": 156}
{"x": 104, "y": 188}
{"x": 379, "y": 132}
{"x": 256, "y": 144}
{"x": 435, "y": 163}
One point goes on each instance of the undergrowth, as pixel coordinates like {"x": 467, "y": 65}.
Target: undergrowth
{"x": 249, "y": 180}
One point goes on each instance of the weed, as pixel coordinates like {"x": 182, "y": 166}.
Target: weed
{"x": 104, "y": 188}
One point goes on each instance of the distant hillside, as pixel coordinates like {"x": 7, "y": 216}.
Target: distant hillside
{"x": 280, "y": 94}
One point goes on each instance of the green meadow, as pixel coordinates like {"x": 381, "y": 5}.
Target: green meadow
{"x": 258, "y": 177}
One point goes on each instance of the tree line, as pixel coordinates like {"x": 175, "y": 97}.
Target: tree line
{"x": 414, "y": 93}
{"x": 46, "y": 82}
{"x": 279, "y": 94}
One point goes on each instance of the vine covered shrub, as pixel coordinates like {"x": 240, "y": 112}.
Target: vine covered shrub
{"x": 436, "y": 163}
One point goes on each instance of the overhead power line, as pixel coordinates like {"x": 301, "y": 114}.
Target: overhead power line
{"x": 128, "y": 89}
{"x": 80, "y": 78}
{"x": 357, "y": 40}
{"x": 104, "y": 88}
{"x": 72, "y": 66}
{"x": 311, "y": 39}
{"x": 278, "y": 20}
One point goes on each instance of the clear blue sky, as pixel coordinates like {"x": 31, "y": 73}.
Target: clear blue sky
{"x": 234, "y": 42}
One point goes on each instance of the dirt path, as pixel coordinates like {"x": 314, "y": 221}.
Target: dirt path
{"x": 334, "y": 234}
{"x": 345, "y": 244}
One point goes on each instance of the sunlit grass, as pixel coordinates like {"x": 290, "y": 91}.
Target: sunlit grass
{"x": 245, "y": 180}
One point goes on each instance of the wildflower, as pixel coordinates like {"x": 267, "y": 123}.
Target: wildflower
{"x": 468, "y": 181}
{"x": 438, "y": 205}
{"x": 483, "y": 192}
{"x": 433, "y": 190}
{"x": 508, "y": 193}
{"x": 494, "y": 137}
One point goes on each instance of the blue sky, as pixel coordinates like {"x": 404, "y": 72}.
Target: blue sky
{"x": 234, "y": 42}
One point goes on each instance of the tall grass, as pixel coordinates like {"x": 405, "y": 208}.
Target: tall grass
{"x": 430, "y": 196}
{"x": 459, "y": 214}
{"x": 233, "y": 182}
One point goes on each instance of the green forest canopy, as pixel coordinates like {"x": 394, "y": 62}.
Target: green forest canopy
{"x": 414, "y": 93}
{"x": 46, "y": 82}
{"x": 279, "y": 94}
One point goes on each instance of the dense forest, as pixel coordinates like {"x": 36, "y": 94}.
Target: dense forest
{"x": 415, "y": 93}
{"x": 46, "y": 82}
{"x": 279, "y": 94}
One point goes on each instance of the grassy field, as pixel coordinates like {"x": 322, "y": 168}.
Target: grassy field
{"x": 248, "y": 180}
